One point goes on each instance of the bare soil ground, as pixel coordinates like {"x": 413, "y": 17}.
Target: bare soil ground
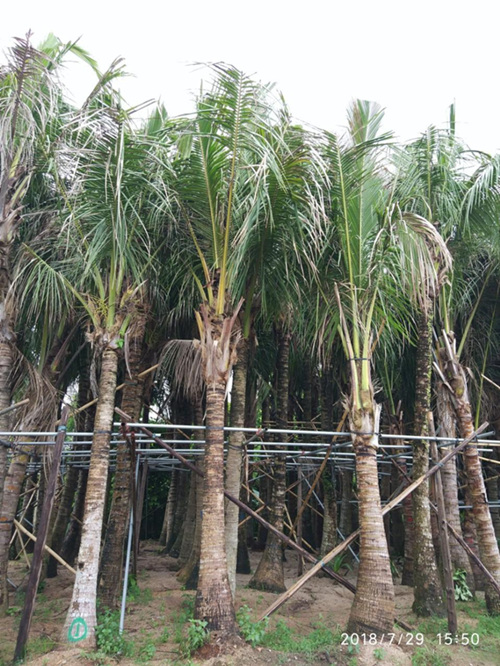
{"x": 306, "y": 630}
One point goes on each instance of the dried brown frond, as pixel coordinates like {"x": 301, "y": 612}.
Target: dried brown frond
{"x": 180, "y": 366}
{"x": 28, "y": 382}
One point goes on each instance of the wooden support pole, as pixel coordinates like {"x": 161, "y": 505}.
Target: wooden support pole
{"x": 300, "y": 563}
{"x": 43, "y": 528}
{"x": 443, "y": 536}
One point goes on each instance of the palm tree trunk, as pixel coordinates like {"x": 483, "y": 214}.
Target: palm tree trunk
{"x": 235, "y": 457}
{"x": 168, "y": 518}
{"x": 7, "y": 341}
{"x": 409, "y": 550}
{"x": 427, "y": 584}
{"x": 470, "y": 536}
{"x": 488, "y": 545}
{"x": 84, "y": 599}
{"x": 73, "y": 474}
{"x": 6, "y": 363}
{"x": 329, "y": 537}
{"x": 493, "y": 497}
{"x": 345, "y": 518}
{"x": 71, "y": 543}
{"x": 183, "y": 486}
{"x": 269, "y": 575}
{"x": 189, "y": 523}
{"x": 12, "y": 489}
{"x": 214, "y": 601}
{"x": 63, "y": 514}
{"x": 447, "y": 425}
{"x": 373, "y": 607}
{"x": 397, "y": 524}
{"x": 188, "y": 575}
{"x": 114, "y": 543}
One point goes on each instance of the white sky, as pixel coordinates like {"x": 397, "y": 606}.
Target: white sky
{"x": 413, "y": 58}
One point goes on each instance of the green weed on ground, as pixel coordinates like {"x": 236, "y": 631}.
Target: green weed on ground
{"x": 189, "y": 634}
{"x": 283, "y": 639}
{"x": 485, "y": 627}
{"x": 136, "y": 594}
{"x": 427, "y": 655}
{"x": 109, "y": 640}
{"x": 39, "y": 645}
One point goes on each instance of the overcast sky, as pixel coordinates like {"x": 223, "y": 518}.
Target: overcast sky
{"x": 413, "y": 58}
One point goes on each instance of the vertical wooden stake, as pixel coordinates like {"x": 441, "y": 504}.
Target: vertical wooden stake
{"x": 139, "y": 502}
{"x": 443, "y": 536}
{"x": 300, "y": 566}
{"x": 37, "y": 560}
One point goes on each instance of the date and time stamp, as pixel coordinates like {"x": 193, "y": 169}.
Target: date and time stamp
{"x": 418, "y": 639}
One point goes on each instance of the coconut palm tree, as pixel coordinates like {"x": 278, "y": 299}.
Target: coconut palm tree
{"x": 219, "y": 160}
{"x": 431, "y": 184}
{"x": 232, "y": 163}
{"x": 31, "y": 107}
{"x": 380, "y": 251}
{"x": 475, "y": 246}
{"x": 99, "y": 266}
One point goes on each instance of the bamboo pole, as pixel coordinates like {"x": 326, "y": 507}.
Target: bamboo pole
{"x": 490, "y": 460}
{"x": 289, "y": 490}
{"x": 47, "y": 548}
{"x": 245, "y": 520}
{"x": 23, "y": 547}
{"x": 388, "y": 507}
{"x": 118, "y": 388}
{"x": 14, "y": 406}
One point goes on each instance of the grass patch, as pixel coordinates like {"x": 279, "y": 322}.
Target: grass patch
{"x": 40, "y": 645}
{"x": 283, "y": 639}
{"x": 430, "y": 656}
{"x": 138, "y": 595}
